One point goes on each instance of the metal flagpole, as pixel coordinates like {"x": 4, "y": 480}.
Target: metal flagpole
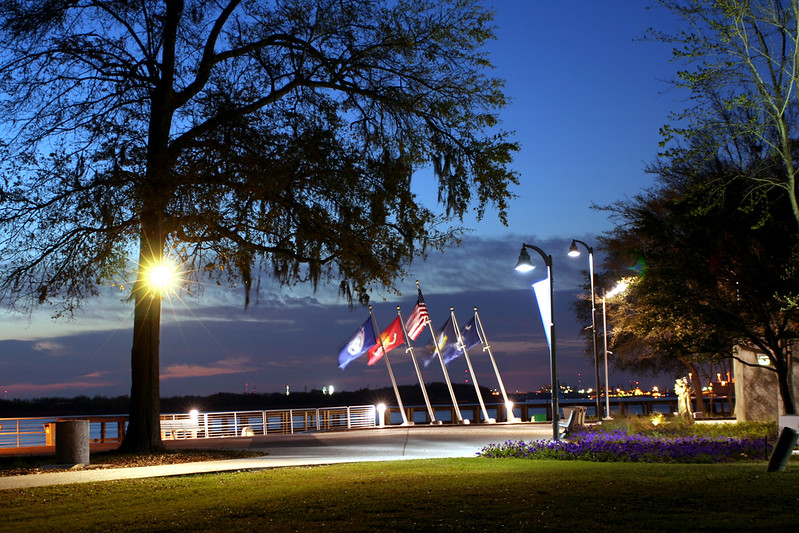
{"x": 388, "y": 365}
{"x": 462, "y": 347}
{"x": 458, "y": 414}
{"x": 409, "y": 349}
{"x": 487, "y": 348}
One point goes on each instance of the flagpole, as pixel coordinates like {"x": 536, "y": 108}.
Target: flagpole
{"x": 409, "y": 349}
{"x": 462, "y": 347}
{"x": 390, "y": 372}
{"x": 487, "y": 348}
{"x": 458, "y": 414}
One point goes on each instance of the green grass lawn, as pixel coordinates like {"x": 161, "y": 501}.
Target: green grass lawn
{"x": 423, "y": 495}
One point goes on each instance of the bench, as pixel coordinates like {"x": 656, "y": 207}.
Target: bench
{"x": 573, "y": 418}
{"x": 181, "y": 428}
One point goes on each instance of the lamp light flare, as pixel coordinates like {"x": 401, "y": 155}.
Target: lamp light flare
{"x": 618, "y": 289}
{"x": 162, "y": 277}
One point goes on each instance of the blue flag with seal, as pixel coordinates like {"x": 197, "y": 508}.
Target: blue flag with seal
{"x": 357, "y": 345}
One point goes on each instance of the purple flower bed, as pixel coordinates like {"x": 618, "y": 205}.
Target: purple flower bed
{"x": 618, "y": 446}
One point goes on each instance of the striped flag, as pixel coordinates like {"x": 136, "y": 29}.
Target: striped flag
{"x": 418, "y": 318}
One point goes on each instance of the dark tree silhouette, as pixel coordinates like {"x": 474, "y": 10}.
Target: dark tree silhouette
{"x": 236, "y": 137}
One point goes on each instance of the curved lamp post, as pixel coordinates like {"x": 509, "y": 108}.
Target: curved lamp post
{"x": 525, "y": 264}
{"x": 574, "y": 251}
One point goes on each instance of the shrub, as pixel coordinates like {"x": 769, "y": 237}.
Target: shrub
{"x": 639, "y": 440}
{"x": 676, "y": 426}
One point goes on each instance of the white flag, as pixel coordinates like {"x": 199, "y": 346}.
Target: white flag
{"x": 542, "y": 296}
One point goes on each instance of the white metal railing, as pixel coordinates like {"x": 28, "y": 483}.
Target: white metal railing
{"x": 271, "y": 422}
{"x": 40, "y": 431}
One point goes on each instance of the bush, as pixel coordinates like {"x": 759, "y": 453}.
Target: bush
{"x": 676, "y": 426}
{"x": 636, "y": 439}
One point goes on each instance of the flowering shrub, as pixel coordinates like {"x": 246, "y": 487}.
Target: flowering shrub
{"x": 618, "y": 446}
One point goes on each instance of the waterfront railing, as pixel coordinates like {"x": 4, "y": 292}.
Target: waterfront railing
{"x": 40, "y": 431}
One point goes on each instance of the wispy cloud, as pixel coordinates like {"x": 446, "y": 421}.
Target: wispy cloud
{"x": 54, "y": 348}
{"x": 33, "y": 389}
{"x": 234, "y": 365}
{"x": 94, "y": 375}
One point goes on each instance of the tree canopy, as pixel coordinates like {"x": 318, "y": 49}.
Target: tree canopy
{"x": 236, "y": 137}
{"x": 710, "y": 271}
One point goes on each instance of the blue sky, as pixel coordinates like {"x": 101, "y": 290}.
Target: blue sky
{"x": 587, "y": 99}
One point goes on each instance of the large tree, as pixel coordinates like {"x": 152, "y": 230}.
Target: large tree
{"x": 741, "y": 56}
{"x": 712, "y": 270}
{"x": 235, "y": 137}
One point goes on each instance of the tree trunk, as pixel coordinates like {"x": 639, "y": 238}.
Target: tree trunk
{"x": 144, "y": 426}
{"x": 696, "y": 383}
{"x": 784, "y": 380}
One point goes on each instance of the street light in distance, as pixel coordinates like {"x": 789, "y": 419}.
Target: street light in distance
{"x": 574, "y": 251}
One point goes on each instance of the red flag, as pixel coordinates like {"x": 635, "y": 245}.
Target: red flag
{"x": 418, "y": 318}
{"x": 391, "y": 336}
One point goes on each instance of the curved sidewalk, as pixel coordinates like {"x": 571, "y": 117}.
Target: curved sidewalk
{"x": 379, "y": 444}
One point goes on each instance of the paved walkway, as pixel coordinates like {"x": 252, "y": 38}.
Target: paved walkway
{"x": 380, "y": 444}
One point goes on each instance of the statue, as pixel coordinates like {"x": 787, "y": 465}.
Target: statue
{"x": 683, "y": 391}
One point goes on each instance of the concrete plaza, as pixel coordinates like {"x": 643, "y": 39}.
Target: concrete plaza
{"x": 304, "y": 449}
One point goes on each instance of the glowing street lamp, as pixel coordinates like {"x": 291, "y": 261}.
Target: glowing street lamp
{"x": 525, "y": 264}
{"x": 619, "y": 288}
{"x": 574, "y": 251}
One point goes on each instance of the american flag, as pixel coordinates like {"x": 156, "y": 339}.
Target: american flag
{"x": 418, "y": 318}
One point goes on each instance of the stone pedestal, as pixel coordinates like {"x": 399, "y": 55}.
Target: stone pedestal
{"x": 757, "y": 394}
{"x": 72, "y": 442}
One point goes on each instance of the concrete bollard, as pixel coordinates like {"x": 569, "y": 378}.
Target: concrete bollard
{"x": 782, "y": 450}
{"x": 72, "y": 442}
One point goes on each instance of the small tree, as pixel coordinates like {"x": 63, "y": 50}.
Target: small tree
{"x": 741, "y": 59}
{"x": 234, "y": 137}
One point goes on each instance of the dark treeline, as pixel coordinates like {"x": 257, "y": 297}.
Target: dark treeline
{"x": 227, "y": 401}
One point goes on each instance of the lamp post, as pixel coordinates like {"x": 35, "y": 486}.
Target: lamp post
{"x": 574, "y": 251}
{"x": 620, "y": 287}
{"x": 525, "y": 264}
